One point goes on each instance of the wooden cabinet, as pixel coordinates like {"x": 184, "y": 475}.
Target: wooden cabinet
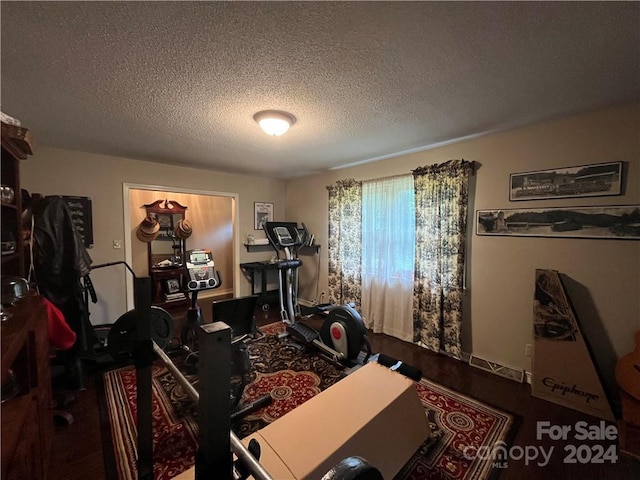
{"x": 16, "y": 146}
{"x": 166, "y": 255}
{"x": 167, "y": 282}
{"x": 27, "y": 417}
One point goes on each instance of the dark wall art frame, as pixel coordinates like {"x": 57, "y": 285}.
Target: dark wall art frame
{"x": 262, "y": 212}
{"x": 593, "y": 180}
{"x": 612, "y": 222}
{"x": 82, "y": 217}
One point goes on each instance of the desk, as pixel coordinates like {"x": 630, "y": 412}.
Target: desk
{"x": 252, "y": 269}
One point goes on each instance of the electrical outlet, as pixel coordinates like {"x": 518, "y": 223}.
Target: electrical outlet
{"x": 527, "y": 350}
{"x": 117, "y": 244}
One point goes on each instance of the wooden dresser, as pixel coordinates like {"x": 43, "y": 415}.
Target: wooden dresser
{"x": 27, "y": 418}
{"x": 16, "y": 147}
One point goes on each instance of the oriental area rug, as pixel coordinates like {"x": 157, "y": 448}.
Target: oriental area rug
{"x": 291, "y": 375}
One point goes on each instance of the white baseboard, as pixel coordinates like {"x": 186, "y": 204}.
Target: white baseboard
{"x": 497, "y": 368}
{"x": 464, "y": 356}
{"x": 215, "y": 293}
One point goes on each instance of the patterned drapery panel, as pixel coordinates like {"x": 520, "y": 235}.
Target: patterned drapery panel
{"x": 441, "y": 196}
{"x": 345, "y": 242}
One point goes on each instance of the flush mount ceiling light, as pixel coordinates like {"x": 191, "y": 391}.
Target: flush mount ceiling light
{"x": 274, "y": 122}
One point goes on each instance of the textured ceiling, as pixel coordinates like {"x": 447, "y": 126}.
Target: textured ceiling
{"x": 179, "y": 82}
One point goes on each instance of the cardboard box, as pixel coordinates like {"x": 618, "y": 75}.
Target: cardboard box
{"x": 564, "y": 369}
{"x": 373, "y": 413}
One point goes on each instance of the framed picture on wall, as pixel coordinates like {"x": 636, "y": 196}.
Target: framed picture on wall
{"x": 613, "y": 222}
{"x": 263, "y": 212}
{"x": 581, "y": 181}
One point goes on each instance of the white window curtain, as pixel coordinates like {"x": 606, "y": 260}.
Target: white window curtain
{"x": 388, "y": 255}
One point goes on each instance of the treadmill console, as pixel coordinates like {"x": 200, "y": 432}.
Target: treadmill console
{"x": 200, "y": 265}
{"x": 284, "y": 236}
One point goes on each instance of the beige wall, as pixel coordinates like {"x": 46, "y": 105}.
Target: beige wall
{"x": 603, "y": 275}
{"x": 52, "y": 171}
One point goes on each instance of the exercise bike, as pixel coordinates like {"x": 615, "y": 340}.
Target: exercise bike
{"x": 121, "y": 339}
{"x": 121, "y": 336}
{"x": 202, "y": 276}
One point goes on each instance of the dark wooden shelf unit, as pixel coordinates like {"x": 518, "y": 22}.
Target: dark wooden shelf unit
{"x": 169, "y": 213}
{"x": 158, "y": 278}
{"x": 16, "y": 146}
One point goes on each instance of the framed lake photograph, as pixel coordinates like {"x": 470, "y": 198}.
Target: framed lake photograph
{"x": 580, "y": 181}
{"x": 614, "y": 222}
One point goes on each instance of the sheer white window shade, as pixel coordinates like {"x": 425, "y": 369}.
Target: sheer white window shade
{"x": 388, "y": 254}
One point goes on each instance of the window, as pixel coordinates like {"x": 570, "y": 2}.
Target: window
{"x": 397, "y": 247}
{"x": 388, "y": 230}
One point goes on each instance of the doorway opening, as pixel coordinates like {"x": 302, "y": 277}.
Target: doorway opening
{"x": 213, "y": 218}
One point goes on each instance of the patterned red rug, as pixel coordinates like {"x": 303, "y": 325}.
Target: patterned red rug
{"x": 293, "y": 375}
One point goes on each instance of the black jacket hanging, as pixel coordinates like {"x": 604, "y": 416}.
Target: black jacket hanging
{"x": 60, "y": 261}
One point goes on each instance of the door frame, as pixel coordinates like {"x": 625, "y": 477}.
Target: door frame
{"x": 126, "y": 189}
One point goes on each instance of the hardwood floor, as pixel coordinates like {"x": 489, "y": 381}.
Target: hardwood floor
{"x": 77, "y": 449}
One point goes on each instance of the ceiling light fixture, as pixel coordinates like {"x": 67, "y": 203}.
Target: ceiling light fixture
{"x": 274, "y": 122}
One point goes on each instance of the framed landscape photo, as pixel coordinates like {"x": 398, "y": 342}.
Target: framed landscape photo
{"x": 580, "y": 181}
{"x": 614, "y": 222}
{"x": 263, "y": 212}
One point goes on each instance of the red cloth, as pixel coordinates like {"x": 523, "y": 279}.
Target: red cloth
{"x": 60, "y": 334}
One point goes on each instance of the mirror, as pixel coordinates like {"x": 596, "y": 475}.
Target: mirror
{"x": 167, "y": 246}
{"x": 166, "y": 250}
